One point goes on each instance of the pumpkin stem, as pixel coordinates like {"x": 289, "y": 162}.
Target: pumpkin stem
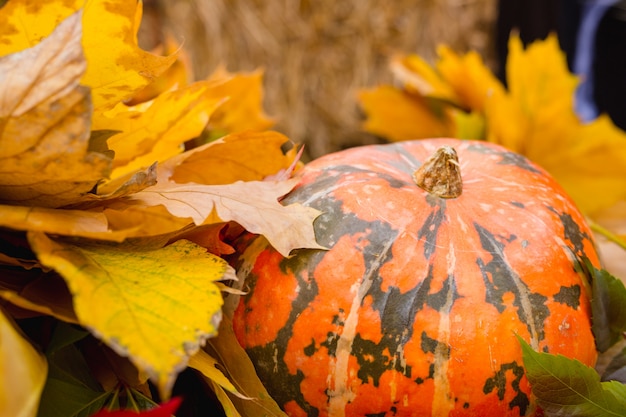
{"x": 440, "y": 174}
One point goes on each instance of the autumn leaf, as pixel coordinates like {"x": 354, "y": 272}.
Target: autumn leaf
{"x": 157, "y": 130}
{"x": 236, "y": 364}
{"x": 587, "y": 159}
{"x": 157, "y": 307}
{"x": 244, "y": 108}
{"x": 175, "y": 77}
{"x": 533, "y": 116}
{"x": 117, "y": 67}
{"x": 22, "y": 379}
{"x": 208, "y": 366}
{"x": 399, "y": 115}
{"x": 472, "y": 82}
{"x": 418, "y": 77}
{"x": 244, "y": 156}
{"x": 45, "y": 130}
{"x": 90, "y": 158}
{"x": 252, "y": 204}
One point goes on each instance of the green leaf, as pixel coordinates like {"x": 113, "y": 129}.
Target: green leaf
{"x": 567, "y": 387}
{"x": 608, "y": 307}
{"x": 66, "y": 398}
{"x": 70, "y": 390}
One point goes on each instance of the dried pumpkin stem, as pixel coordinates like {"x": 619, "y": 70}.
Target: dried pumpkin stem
{"x": 440, "y": 174}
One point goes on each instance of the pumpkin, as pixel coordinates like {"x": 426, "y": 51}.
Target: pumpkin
{"x": 440, "y": 252}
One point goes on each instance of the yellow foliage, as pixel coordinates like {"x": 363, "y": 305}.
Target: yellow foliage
{"x": 23, "y": 372}
{"x": 399, "y": 115}
{"x": 91, "y": 155}
{"x": 533, "y": 116}
{"x": 157, "y": 130}
{"x": 45, "y": 158}
{"x": 245, "y": 156}
{"x": 155, "y": 306}
{"x": 117, "y": 67}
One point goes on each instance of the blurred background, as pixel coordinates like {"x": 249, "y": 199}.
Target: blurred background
{"x": 317, "y": 54}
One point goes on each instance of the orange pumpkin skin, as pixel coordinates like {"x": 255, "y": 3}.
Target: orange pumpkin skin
{"x": 414, "y": 309}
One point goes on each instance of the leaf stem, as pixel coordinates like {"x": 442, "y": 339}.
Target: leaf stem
{"x": 607, "y": 234}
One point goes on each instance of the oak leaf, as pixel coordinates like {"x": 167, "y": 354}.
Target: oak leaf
{"x": 155, "y": 306}
{"x": 253, "y": 204}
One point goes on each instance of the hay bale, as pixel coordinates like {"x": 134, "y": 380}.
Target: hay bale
{"x": 317, "y": 54}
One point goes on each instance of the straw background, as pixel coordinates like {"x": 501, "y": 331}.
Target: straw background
{"x": 317, "y": 54}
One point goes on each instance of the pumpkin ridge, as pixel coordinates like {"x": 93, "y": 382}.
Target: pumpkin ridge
{"x": 443, "y": 399}
{"x": 532, "y": 310}
{"x": 430, "y": 229}
{"x": 339, "y": 392}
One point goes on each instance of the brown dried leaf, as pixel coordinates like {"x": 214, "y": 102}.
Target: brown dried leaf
{"x": 45, "y": 123}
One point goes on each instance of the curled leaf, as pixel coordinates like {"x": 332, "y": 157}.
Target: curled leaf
{"x": 45, "y": 131}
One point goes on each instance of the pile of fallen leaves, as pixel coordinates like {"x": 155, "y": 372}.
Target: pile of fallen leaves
{"x": 113, "y": 213}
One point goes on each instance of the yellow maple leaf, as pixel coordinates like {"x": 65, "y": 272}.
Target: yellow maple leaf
{"x": 156, "y": 130}
{"x": 244, "y": 156}
{"x": 587, "y": 159}
{"x": 155, "y": 306}
{"x": 45, "y": 156}
{"x": 534, "y": 117}
{"x": 472, "y": 82}
{"x": 23, "y": 373}
{"x": 399, "y": 115}
{"x": 244, "y": 108}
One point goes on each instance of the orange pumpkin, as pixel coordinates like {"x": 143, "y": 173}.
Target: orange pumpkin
{"x": 434, "y": 266}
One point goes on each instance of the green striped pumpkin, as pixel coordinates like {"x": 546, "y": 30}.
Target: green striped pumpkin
{"x": 433, "y": 267}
